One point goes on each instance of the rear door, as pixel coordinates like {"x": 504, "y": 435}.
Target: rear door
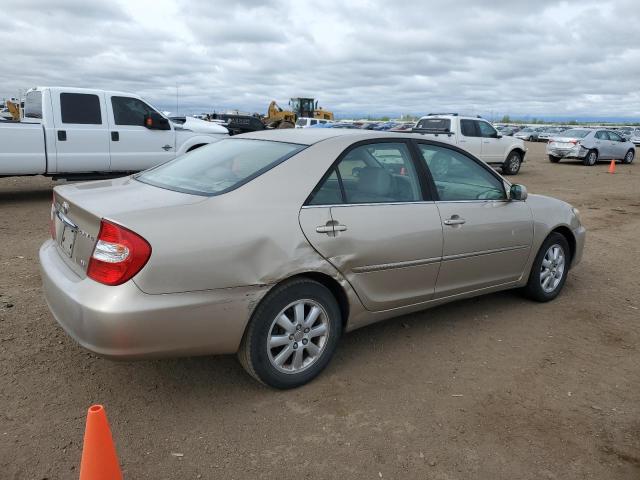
{"x": 371, "y": 219}
{"x": 487, "y": 239}
{"x": 469, "y": 137}
{"x": 81, "y": 132}
{"x": 133, "y": 145}
{"x": 603, "y": 144}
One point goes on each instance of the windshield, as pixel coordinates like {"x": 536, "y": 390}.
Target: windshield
{"x": 576, "y": 133}
{"x": 219, "y": 167}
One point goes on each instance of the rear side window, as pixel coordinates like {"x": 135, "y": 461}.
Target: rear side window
{"x": 436, "y": 124}
{"x": 129, "y": 111}
{"x": 468, "y": 128}
{"x": 33, "y": 104}
{"x": 80, "y": 108}
{"x": 602, "y": 135}
{"x": 219, "y": 167}
{"x": 374, "y": 173}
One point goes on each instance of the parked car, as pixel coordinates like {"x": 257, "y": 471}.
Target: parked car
{"x": 635, "y": 136}
{"x": 75, "y": 133}
{"x": 624, "y": 132}
{"x": 208, "y": 254}
{"x": 305, "y": 122}
{"x": 528, "y": 133}
{"x": 549, "y": 132}
{"x": 590, "y": 145}
{"x": 478, "y": 137}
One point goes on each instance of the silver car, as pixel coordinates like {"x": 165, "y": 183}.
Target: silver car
{"x": 272, "y": 244}
{"x": 590, "y": 145}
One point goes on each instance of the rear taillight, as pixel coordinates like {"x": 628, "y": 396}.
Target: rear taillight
{"x": 52, "y": 222}
{"x": 118, "y": 255}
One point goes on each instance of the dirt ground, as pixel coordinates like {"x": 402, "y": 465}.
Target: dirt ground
{"x": 496, "y": 387}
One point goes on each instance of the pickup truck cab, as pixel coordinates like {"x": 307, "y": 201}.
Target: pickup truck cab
{"x": 86, "y": 133}
{"x": 478, "y": 137}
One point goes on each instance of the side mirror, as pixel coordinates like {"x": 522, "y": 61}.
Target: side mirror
{"x": 518, "y": 192}
{"x": 155, "y": 121}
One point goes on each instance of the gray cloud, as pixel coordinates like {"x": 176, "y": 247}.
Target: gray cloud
{"x": 368, "y": 57}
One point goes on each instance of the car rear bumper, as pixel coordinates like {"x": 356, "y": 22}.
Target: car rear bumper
{"x": 576, "y": 152}
{"x": 124, "y": 322}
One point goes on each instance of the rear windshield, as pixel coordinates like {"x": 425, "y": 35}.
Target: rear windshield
{"x": 575, "y": 133}
{"x": 219, "y": 167}
{"x": 439, "y": 124}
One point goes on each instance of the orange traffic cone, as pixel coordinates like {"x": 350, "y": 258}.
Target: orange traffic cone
{"x": 99, "y": 460}
{"x": 612, "y": 166}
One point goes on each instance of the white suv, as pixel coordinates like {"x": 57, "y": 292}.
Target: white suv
{"x": 478, "y": 137}
{"x": 304, "y": 122}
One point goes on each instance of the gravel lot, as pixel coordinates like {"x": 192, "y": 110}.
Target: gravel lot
{"x": 490, "y": 388}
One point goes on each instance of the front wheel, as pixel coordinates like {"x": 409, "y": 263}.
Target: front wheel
{"x": 628, "y": 158}
{"x": 512, "y": 165}
{"x": 549, "y": 269}
{"x": 292, "y": 334}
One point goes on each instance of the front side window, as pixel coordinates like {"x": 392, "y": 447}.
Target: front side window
{"x": 33, "y": 104}
{"x": 130, "y": 111}
{"x": 457, "y": 177}
{"x": 614, "y": 136}
{"x": 219, "y": 167}
{"x": 374, "y": 173}
{"x": 80, "y": 108}
{"x": 486, "y": 130}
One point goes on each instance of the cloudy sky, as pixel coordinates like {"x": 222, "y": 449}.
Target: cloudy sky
{"x": 523, "y": 58}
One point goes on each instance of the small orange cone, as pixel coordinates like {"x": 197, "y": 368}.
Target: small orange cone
{"x": 99, "y": 459}
{"x": 612, "y": 166}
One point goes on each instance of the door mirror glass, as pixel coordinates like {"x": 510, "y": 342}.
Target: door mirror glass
{"x": 155, "y": 121}
{"x": 518, "y": 192}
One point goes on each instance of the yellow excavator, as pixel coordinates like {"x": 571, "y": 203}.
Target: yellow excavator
{"x": 14, "y": 109}
{"x": 277, "y": 117}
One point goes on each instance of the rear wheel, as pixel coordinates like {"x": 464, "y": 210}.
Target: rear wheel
{"x": 292, "y": 335}
{"x": 554, "y": 159}
{"x": 511, "y": 166}
{"x": 591, "y": 158}
{"x": 549, "y": 269}
{"x": 628, "y": 158}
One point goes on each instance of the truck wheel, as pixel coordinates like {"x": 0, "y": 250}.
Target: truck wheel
{"x": 591, "y": 158}
{"x": 511, "y": 166}
{"x": 553, "y": 159}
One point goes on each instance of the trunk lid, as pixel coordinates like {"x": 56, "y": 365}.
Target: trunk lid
{"x": 78, "y": 209}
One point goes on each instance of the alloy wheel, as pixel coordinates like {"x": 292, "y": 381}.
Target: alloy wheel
{"x": 297, "y": 336}
{"x": 552, "y": 268}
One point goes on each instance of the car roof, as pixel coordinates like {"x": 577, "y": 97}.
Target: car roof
{"x": 309, "y": 136}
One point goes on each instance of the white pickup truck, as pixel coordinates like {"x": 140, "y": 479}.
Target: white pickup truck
{"x": 478, "y": 137}
{"x": 83, "y": 133}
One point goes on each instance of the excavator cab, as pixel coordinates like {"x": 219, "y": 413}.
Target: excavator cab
{"x": 303, "y": 107}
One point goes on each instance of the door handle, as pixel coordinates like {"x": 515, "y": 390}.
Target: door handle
{"x": 331, "y": 228}
{"x": 454, "y": 220}
{"x": 62, "y": 135}
{"x": 115, "y": 136}
{"x": 486, "y": 141}
{"x": 167, "y": 147}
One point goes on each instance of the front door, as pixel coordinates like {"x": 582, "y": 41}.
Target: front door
{"x": 134, "y": 146}
{"x": 371, "y": 219}
{"x": 617, "y": 145}
{"x": 81, "y": 132}
{"x": 487, "y": 239}
{"x": 492, "y": 147}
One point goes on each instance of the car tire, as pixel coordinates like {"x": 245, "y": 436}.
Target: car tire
{"x": 554, "y": 159}
{"x": 629, "y": 157}
{"x": 282, "y": 357}
{"x": 548, "y": 269}
{"x": 511, "y": 165}
{"x": 591, "y": 158}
